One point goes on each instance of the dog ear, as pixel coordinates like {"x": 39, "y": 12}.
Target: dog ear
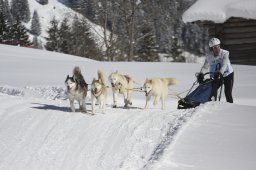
{"x": 67, "y": 78}
{"x": 100, "y": 81}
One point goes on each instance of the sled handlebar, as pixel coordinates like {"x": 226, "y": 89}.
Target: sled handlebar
{"x": 204, "y": 74}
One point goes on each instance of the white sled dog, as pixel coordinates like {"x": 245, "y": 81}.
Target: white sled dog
{"x": 76, "y": 89}
{"x": 157, "y": 87}
{"x": 121, "y": 84}
{"x": 99, "y": 92}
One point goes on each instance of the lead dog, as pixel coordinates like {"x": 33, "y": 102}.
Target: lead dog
{"x": 99, "y": 92}
{"x": 76, "y": 89}
{"x": 121, "y": 84}
{"x": 157, "y": 87}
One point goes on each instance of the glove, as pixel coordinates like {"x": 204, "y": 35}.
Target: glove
{"x": 218, "y": 76}
{"x": 200, "y": 78}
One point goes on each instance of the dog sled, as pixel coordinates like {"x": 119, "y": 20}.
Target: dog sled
{"x": 205, "y": 89}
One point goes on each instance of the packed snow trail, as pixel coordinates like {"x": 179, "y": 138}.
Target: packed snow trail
{"x": 40, "y": 133}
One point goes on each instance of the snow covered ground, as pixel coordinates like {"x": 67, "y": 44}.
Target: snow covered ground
{"x": 37, "y": 131}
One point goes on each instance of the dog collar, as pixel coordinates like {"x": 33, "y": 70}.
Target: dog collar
{"x": 97, "y": 94}
{"x": 146, "y": 94}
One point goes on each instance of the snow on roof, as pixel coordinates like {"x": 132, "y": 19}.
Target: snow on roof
{"x": 219, "y": 11}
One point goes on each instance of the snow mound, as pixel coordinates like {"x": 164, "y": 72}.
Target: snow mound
{"x": 48, "y": 92}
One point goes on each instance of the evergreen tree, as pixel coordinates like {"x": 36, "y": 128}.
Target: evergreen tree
{"x": 20, "y": 9}
{"x": 176, "y": 51}
{"x": 79, "y": 6}
{"x": 35, "y": 24}
{"x": 19, "y": 34}
{"x": 82, "y": 43}
{"x": 74, "y": 36}
{"x": 7, "y": 12}
{"x": 53, "y": 36}
{"x": 147, "y": 46}
{"x": 4, "y": 30}
{"x": 64, "y": 36}
{"x": 1, "y": 5}
{"x": 90, "y": 9}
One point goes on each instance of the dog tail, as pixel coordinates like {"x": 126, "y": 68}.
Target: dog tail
{"x": 101, "y": 77}
{"x": 77, "y": 72}
{"x": 171, "y": 81}
{"x": 79, "y": 77}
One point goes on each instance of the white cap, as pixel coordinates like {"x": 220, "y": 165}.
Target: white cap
{"x": 213, "y": 42}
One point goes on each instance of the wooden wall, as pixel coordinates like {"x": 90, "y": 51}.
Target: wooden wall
{"x": 238, "y": 36}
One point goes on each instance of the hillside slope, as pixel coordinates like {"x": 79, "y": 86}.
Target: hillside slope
{"x": 56, "y": 9}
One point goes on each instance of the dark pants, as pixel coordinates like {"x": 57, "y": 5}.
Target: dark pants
{"x": 228, "y": 87}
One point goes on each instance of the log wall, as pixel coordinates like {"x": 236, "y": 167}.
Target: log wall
{"x": 238, "y": 36}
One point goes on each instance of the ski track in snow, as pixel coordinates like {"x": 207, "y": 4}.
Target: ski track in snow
{"x": 133, "y": 133}
{"x": 174, "y": 126}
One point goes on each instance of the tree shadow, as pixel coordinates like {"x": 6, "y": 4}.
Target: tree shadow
{"x": 50, "y": 107}
{"x": 57, "y": 108}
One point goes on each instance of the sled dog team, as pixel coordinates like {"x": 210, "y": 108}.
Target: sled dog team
{"x": 77, "y": 89}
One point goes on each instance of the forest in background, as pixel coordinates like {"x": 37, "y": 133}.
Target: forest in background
{"x": 134, "y": 30}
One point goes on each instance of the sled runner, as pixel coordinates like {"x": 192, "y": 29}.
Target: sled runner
{"x": 205, "y": 90}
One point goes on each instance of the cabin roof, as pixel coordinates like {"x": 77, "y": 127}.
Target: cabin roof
{"x": 219, "y": 11}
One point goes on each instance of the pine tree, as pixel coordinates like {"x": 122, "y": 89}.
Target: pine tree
{"x": 7, "y": 12}
{"x": 19, "y": 34}
{"x": 4, "y": 30}
{"x": 74, "y": 36}
{"x": 53, "y": 33}
{"x": 90, "y": 10}
{"x": 35, "y": 24}
{"x": 82, "y": 43}
{"x": 176, "y": 51}
{"x": 79, "y": 6}
{"x": 147, "y": 46}
{"x": 1, "y": 5}
{"x": 20, "y": 8}
{"x": 64, "y": 37}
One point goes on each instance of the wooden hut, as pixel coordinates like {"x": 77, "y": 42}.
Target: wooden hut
{"x": 235, "y": 27}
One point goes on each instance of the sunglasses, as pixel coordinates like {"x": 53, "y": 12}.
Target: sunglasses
{"x": 216, "y": 47}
